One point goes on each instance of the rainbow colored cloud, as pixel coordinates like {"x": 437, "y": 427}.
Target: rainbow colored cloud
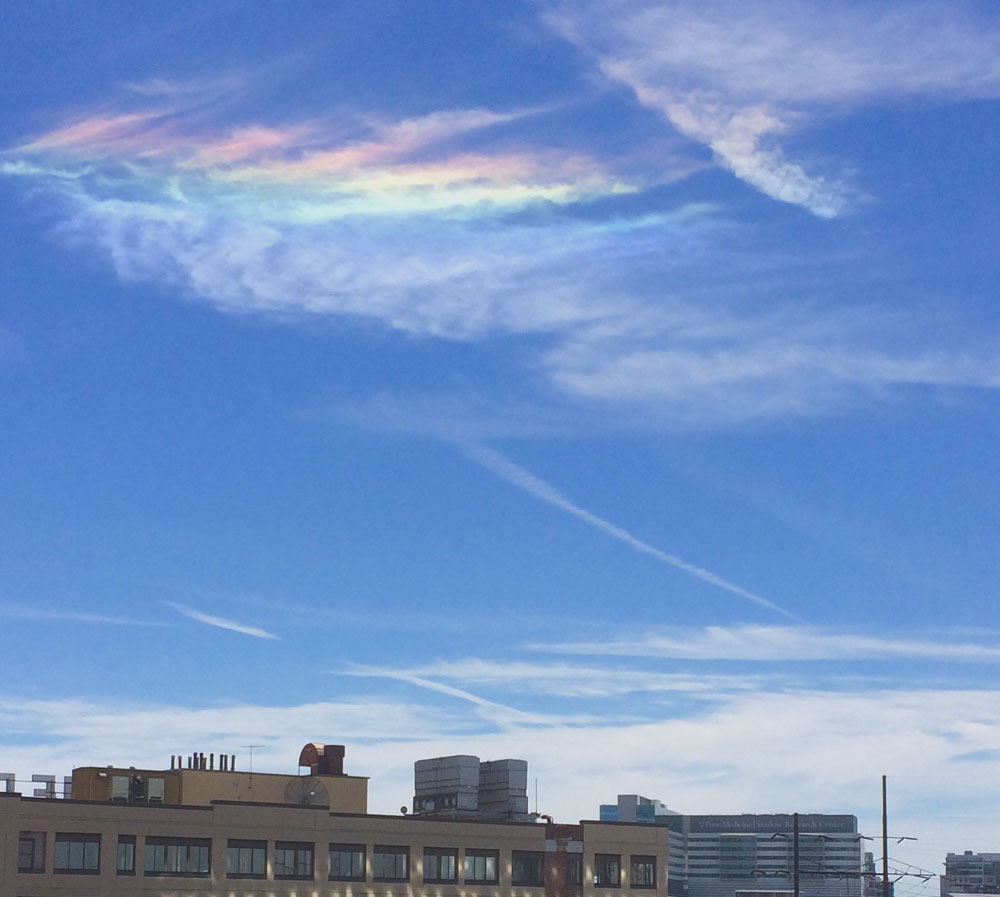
{"x": 447, "y": 226}
{"x": 298, "y": 172}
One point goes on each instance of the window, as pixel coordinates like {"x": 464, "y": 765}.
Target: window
{"x": 77, "y": 853}
{"x": 440, "y": 864}
{"x": 119, "y": 788}
{"x": 390, "y": 863}
{"x": 763, "y": 893}
{"x": 527, "y": 867}
{"x": 246, "y": 859}
{"x": 178, "y": 856}
{"x": 607, "y": 870}
{"x": 155, "y": 787}
{"x": 574, "y": 869}
{"x": 642, "y": 872}
{"x": 481, "y": 865}
{"x": 31, "y": 852}
{"x": 293, "y": 860}
{"x": 125, "y": 855}
{"x": 347, "y": 862}
{"x": 737, "y": 855}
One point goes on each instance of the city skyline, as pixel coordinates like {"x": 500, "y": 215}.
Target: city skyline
{"x": 608, "y": 384}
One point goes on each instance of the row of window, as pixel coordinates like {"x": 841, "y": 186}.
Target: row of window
{"x": 608, "y": 871}
{"x": 81, "y": 854}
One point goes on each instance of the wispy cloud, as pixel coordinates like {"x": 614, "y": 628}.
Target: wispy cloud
{"x": 655, "y": 317}
{"x": 778, "y": 643}
{"x": 740, "y": 77}
{"x": 704, "y": 364}
{"x": 491, "y": 709}
{"x": 493, "y": 461}
{"x": 299, "y": 173}
{"x": 221, "y": 622}
{"x": 568, "y": 680}
{"x": 190, "y": 88}
{"x": 14, "y": 611}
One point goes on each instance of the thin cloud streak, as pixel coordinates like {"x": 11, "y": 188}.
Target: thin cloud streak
{"x": 518, "y": 476}
{"x": 56, "y": 615}
{"x": 203, "y": 89}
{"x": 567, "y": 680}
{"x": 774, "y": 643}
{"x": 221, "y": 622}
{"x": 492, "y": 707}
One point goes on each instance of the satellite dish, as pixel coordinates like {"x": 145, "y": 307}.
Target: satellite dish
{"x": 403, "y": 810}
{"x": 307, "y": 791}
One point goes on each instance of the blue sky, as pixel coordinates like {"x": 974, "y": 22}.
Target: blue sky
{"x": 609, "y": 384}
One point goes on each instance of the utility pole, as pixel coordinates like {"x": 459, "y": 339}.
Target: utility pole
{"x": 795, "y": 855}
{"x": 885, "y": 844}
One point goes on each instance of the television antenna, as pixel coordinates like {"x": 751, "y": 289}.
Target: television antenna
{"x": 250, "y": 748}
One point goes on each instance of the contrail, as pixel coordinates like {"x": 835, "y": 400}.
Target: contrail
{"x": 450, "y": 690}
{"x": 220, "y": 622}
{"x": 492, "y": 460}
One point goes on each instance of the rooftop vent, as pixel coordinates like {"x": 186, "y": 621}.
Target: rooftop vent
{"x": 323, "y": 759}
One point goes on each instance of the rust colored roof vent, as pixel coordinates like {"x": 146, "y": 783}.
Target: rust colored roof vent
{"x": 323, "y": 759}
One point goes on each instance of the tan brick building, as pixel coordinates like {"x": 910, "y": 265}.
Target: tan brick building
{"x": 214, "y": 832}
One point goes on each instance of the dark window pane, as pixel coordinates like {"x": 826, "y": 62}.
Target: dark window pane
{"x": 178, "y": 856}
{"x": 125, "y": 855}
{"x": 481, "y": 865}
{"x": 574, "y": 869}
{"x": 390, "y": 863}
{"x": 607, "y": 870}
{"x": 440, "y": 864}
{"x": 77, "y": 853}
{"x": 347, "y": 862}
{"x": 527, "y": 868}
{"x": 246, "y": 859}
{"x": 293, "y": 860}
{"x": 642, "y": 872}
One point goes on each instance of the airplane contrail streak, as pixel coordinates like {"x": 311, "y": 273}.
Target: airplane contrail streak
{"x": 503, "y": 467}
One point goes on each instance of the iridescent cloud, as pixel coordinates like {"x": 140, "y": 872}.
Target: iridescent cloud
{"x": 452, "y": 225}
{"x": 403, "y": 167}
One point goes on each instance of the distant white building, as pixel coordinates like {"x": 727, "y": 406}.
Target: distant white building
{"x": 971, "y": 873}
{"x": 752, "y": 855}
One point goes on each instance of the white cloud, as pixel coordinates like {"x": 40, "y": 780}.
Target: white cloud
{"x": 675, "y": 354}
{"x": 429, "y": 278}
{"x": 778, "y": 643}
{"x": 79, "y": 731}
{"x": 709, "y": 364}
{"x": 65, "y": 615}
{"x": 571, "y": 680}
{"x": 221, "y": 622}
{"x": 738, "y": 77}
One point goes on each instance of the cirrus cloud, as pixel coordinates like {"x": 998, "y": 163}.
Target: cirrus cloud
{"x": 445, "y": 226}
{"x": 741, "y": 77}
